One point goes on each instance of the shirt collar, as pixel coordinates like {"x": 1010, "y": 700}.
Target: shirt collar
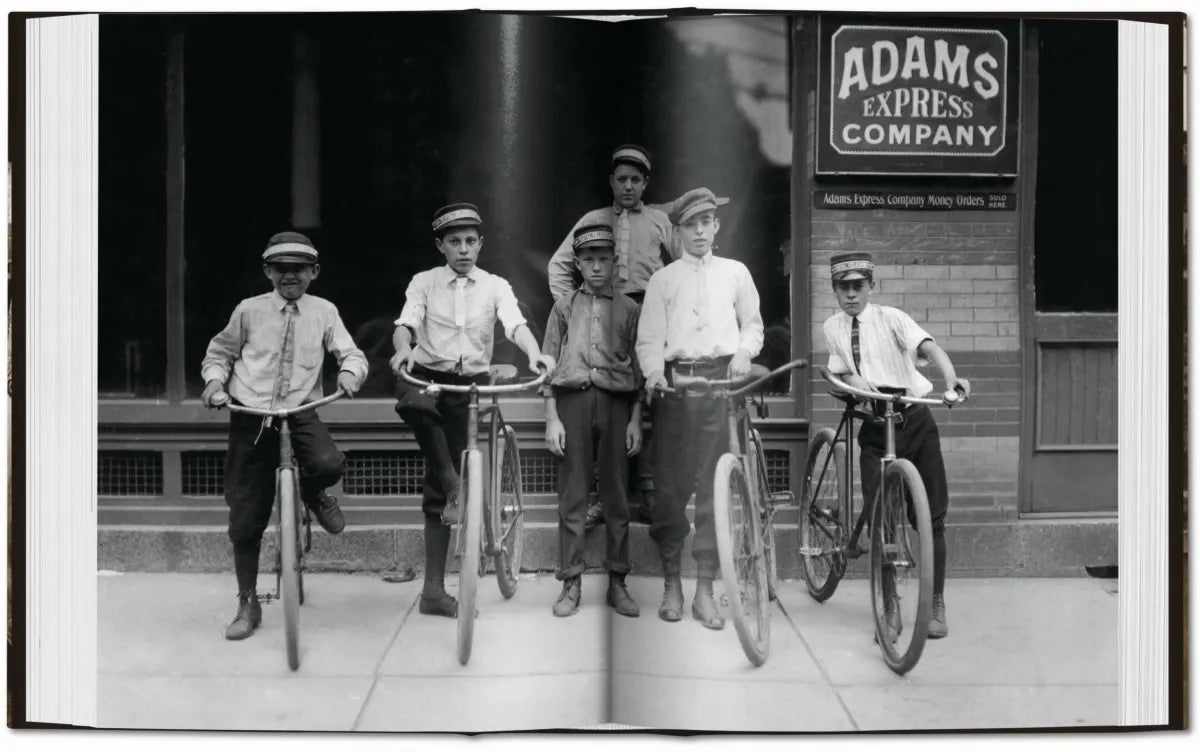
{"x": 607, "y": 292}
{"x": 868, "y": 312}
{"x": 451, "y": 275}
{"x": 704, "y": 260}
{"x": 618, "y": 210}
{"x": 278, "y": 302}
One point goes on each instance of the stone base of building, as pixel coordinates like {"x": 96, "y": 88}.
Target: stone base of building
{"x": 1021, "y": 548}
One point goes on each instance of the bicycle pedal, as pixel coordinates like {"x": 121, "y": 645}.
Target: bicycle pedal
{"x": 811, "y": 551}
{"x": 782, "y": 497}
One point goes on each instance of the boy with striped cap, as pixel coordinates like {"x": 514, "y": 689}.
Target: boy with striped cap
{"x": 643, "y": 244}
{"x": 446, "y": 329}
{"x": 592, "y": 410}
{"x": 700, "y": 318}
{"x": 874, "y": 347}
{"x": 269, "y": 356}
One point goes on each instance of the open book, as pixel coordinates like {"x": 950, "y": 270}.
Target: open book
{"x": 1017, "y": 187}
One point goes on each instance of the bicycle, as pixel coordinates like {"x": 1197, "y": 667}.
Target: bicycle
{"x": 743, "y": 507}
{"x": 494, "y": 508}
{"x": 826, "y": 513}
{"x": 290, "y": 519}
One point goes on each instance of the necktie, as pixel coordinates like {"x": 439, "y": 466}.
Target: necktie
{"x": 854, "y": 346}
{"x": 287, "y": 356}
{"x": 623, "y": 240}
{"x": 460, "y": 314}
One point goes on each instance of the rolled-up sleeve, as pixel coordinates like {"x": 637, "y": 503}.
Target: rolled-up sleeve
{"x": 339, "y": 342}
{"x": 224, "y": 349}
{"x": 750, "y": 323}
{"x": 507, "y": 309}
{"x": 413, "y": 313}
{"x": 837, "y": 364}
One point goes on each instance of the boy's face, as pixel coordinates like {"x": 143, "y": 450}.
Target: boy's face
{"x": 461, "y": 248}
{"x": 628, "y": 184}
{"x": 852, "y": 294}
{"x": 596, "y": 266}
{"x": 699, "y": 232}
{"x": 291, "y": 280}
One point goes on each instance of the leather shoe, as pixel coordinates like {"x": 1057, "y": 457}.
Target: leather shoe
{"x": 937, "y": 625}
{"x": 249, "y": 616}
{"x": 568, "y": 600}
{"x": 443, "y": 604}
{"x": 672, "y": 603}
{"x": 325, "y": 508}
{"x": 618, "y": 597}
{"x": 704, "y": 608}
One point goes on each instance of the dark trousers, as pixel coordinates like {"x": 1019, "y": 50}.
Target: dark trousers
{"x": 594, "y": 420}
{"x": 442, "y": 440}
{"x": 918, "y": 441}
{"x": 690, "y": 435}
{"x": 641, "y": 465}
{"x": 250, "y": 469}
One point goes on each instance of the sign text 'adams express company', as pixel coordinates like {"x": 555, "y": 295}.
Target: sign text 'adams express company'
{"x": 910, "y": 99}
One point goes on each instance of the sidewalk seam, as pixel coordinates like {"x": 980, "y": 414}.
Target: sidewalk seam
{"x": 383, "y": 657}
{"x": 820, "y": 666}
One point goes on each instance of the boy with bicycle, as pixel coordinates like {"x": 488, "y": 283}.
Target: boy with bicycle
{"x": 269, "y": 356}
{"x": 592, "y": 409}
{"x": 700, "y": 317}
{"x": 878, "y": 348}
{"x": 446, "y": 329}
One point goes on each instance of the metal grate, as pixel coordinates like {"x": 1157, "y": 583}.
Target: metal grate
{"x": 129, "y": 474}
{"x": 778, "y": 469}
{"x": 539, "y": 472}
{"x": 203, "y": 473}
{"x": 383, "y": 473}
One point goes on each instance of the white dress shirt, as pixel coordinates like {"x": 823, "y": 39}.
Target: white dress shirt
{"x": 888, "y": 339}
{"x": 455, "y": 321}
{"x": 698, "y": 307}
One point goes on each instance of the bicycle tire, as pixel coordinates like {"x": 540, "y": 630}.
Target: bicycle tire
{"x": 824, "y": 502}
{"x": 289, "y": 549}
{"x": 740, "y": 551}
{"x": 757, "y": 459}
{"x": 902, "y": 480}
{"x": 507, "y": 508}
{"x": 470, "y": 526}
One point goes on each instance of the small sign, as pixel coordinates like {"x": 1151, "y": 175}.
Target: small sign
{"x": 918, "y": 100}
{"x": 918, "y": 200}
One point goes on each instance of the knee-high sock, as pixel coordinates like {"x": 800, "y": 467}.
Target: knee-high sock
{"x": 437, "y": 544}
{"x": 245, "y": 564}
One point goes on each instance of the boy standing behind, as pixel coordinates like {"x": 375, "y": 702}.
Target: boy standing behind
{"x": 592, "y": 407}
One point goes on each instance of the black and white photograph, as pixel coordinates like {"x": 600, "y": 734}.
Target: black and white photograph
{"x": 479, "y": 371}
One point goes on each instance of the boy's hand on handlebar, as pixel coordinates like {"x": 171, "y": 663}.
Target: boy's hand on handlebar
{"x": 214, "y": 395}
{"x": 655, "y": 382}
{"x": 398, "y": 360}
{"x": 962, "y": 386}
{"x": 347, "y": 383}
{"x": 540, "y": 362}
{"x": 739, "y": 366}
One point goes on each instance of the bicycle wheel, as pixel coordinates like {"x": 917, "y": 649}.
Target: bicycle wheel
{"x": 740, "y": 551}
{"x": 902, "y": 565}
{"x": 507, "y": 510}
{"x": 823, "y": 503}
{"x": 470, "y": 525}
{"x": 756, "y": 458}
{"x": 289, "y": 559}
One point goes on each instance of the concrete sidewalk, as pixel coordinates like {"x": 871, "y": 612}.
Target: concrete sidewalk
{"x": 1021, "y": 653}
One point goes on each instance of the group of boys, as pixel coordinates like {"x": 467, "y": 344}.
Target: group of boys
{"x": 654, "y": 303}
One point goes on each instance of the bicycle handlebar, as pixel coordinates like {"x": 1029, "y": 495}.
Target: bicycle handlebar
{"x": 430, "y": 386}
{"x": 737, "y": 387}
{"x": 950, "y": 398}
{"x": 280, "y": 413}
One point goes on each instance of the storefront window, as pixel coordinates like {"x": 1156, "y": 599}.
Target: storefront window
{"x": 132, "y": 269}
{"x": 1075, "y": 264}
